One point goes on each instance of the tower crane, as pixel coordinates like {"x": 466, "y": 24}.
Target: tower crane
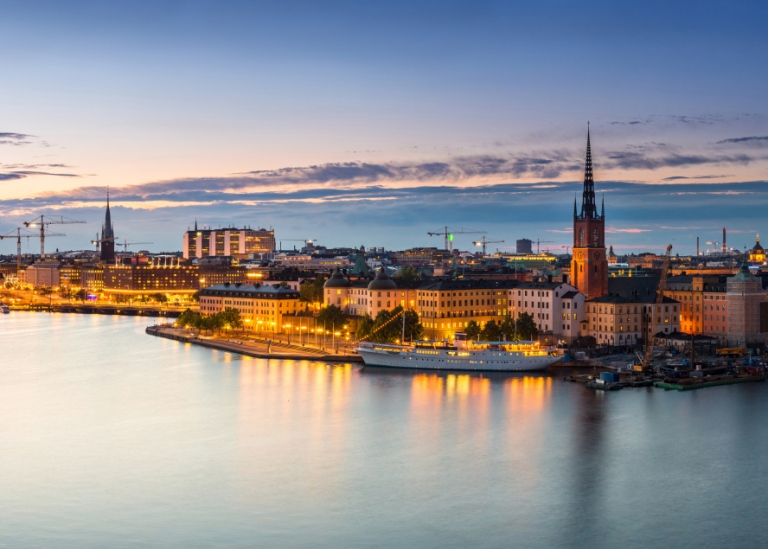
{"x": 483, "y": 242}
{"x": 449, "y": 235}
{"x": 51, "y": 220}
{"x": 19, "y": 236}
{"x": 538, "y": 245}
{"x": 125, "y": 244}
{"x": 659, "y": 301}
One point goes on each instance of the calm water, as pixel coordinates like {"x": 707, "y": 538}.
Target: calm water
{"x": 112, "y": 438}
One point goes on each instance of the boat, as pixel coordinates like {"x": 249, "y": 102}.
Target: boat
{"x": 463, "y": 355}
{"x": 4, "y": 309}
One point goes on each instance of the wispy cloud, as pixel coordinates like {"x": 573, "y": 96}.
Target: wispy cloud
{"x": 696, "y": 177}
{"x": 16, "y": 139}
{"x": 634, "y": 160}
{"x": 748, "y": 140}
{"x": 21, "y": 174}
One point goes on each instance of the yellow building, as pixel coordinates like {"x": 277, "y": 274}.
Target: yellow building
{"x": 757, "y": 254}
{"x": 262, "y": 308}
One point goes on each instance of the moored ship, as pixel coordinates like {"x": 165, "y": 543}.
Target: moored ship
{"x": 495, "y": 356}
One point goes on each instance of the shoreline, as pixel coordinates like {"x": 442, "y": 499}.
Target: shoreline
{"x": 256, "y": 348}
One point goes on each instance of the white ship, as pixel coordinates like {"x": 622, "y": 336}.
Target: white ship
{"x": 494, "y": 356}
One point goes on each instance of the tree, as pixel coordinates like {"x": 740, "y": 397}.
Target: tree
{"x": 230, "y": 318}
{"x": 472, "y": 330}
{"x": 407, "y": 273}
{"x": 526, "y": 327}
{"x": 81, "y": 294}
{"x": 491, "y": 331}
{"x": 365, "y": 327}
{"x": 312, "y": 292}
{"x": 332, "y": 316}
{"x": 160, "y": 297}
{"x": 507, "y": 329}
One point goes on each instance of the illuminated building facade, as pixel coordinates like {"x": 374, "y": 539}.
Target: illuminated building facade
{"x": 757, "y": 253}
{"x": 554, "y": 306}
{"x": 589, "y": 266}
{"x": 140, "y": 274}
{"x": 620, "y": 322}
{"x": 262, "y": 308}
{"x": 240, "y": 243}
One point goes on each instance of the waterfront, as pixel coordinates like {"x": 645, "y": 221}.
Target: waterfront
{"x": 110, "y": 437}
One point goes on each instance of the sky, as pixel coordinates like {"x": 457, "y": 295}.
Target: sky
{"x": 373, "y": 123}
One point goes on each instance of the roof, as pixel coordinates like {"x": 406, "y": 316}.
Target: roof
{"x": 247, "y": 290}
{"x": 570, "y": 295}
{"x": 469, "y": 284}
{"x": 382, "y": 282}
{"x": 337, "y": 280}
{"x": 645, "y": 299}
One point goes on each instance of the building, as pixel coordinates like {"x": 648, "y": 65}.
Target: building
{"x": 757, "y": 254}
{"x": 421, "y": 256}
{"x": 239, "y": 243}
{"x": 218, "y": 270}
{"x": 745, "y": 293}
{"x": 46, "y": 272}
{"x": 146, "y": 275}
{"x": 107, "y": 241}
{"x": 589, "y": 266}
{"x": 556, "y": 307}
{"x": 524, "y": 246}
{"x": 262, "y": 308}
{"x": 616, "y": 321}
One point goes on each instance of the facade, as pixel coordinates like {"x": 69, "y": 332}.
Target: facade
{"x": 555, "y": 307}
{"x": 262, "y": 308}
{"x": 219, "y": 270}
{"x": 524, "y": 246}
{"x": 141, "y": 275}
{"x": 421, "y": 256}
{"x": 589, "y": 266}
{"x": 745, "y": 293}
{"x": 240, "y": 243}
{"x": 45, "y": 273}
{"x": 715, "y": 308}
{"x": 620, "y": 322}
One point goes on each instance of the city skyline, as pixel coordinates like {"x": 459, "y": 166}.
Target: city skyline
{"x": 374, "y": 124}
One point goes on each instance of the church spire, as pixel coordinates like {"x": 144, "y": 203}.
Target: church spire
{"x": 106, "y": 231}
{"x": 574, "y": 206}
{"x": 602, "y": 212}
{"x": 588, "y": 206}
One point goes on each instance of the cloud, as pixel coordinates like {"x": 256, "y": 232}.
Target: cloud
{"x": 634, "y": 160}
{"x": 697, "y": 177}
{"x": 21, "y": 174}
{"x": 749, "y": 140}
{"x": 629, "y": 230}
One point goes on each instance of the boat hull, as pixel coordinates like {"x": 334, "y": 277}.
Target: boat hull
{"x": 486, "y": 361}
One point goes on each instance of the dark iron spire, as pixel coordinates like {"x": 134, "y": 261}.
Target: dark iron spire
{"x": 107, "y": 231}
{"x": 575, "y": 213}
{"x": 602, "y": 213}
{"x": 588, "y": 206}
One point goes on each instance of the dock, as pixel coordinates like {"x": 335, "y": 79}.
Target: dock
{"x": 690, "y": 385}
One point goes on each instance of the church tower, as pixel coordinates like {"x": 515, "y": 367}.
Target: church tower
{"x": 589, "y": 266}
{"x": 107, "y": 237}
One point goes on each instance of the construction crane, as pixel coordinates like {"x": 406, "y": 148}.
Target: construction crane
{"x": 483, "y": 242}
{"x": 566, "y": 249}
{"x": 51, "y": 220}
{"x": 659, "y": 301}
{"x": 125, "y": 244}
{"x": 99, "y": 241}
{"x": 19, "y": 236}
{"x": 449, "y": 235}
{"x": 538, "y": 245}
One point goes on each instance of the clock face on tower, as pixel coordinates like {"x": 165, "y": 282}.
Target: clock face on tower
{"x": 581, "y": 255}
{"x": 597, "y": 255}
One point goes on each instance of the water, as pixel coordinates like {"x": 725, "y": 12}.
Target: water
{"x": 112, "y": 438}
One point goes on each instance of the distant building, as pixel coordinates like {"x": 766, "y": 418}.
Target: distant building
{"x": 262, "y": 308}
{"x": 620, "y": 322}
{"x": 218, "y": 270}
{"x": 524, "y": 246}
{"x": 745, "y": 293}
{"x": 240, "y": 243}
{"x": 44, "y": 273}
{"x": 107, "y": 242}
{"x": 589, "y": 267}
{"x": 144, "y": 275}
{"x": 757, "y": 253}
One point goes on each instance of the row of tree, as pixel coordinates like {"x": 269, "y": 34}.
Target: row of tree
{"x": 524, "y": 328}
{"x": 228, "y": 319}
{"x": 388, "y": 326}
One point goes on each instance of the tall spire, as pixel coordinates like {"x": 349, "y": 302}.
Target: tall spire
{"x": 574, "y": 206}
{"x": 588, "y": 206}
{"x": 107, "y": 231}
{"x": 602, "y": 212}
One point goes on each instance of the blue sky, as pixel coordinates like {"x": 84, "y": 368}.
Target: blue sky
{"x": 372, "y": 123}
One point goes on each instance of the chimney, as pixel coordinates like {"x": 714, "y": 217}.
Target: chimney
{"x": 725, "y": 248}
{"x": 697, "y": 246}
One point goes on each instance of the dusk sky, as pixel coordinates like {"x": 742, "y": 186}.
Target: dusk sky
{"x": 374, "y": 122}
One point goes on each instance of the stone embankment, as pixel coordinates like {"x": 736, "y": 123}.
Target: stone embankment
{"x": 248, "y": 346}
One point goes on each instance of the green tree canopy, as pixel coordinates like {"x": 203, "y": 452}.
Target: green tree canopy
{"x": 407, "y": 273}
{"x": 230, "y": 318}
{"x": 526, "y": 327}
{"x": 332, "y": 316}
{"x": 490, "y": 331}
{"x": 472, "y": 330}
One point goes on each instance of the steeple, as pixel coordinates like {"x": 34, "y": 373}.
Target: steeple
{"x": 602, "y": 212}
{"x": 575, "y": 213}
{"x": 588, "y": 207}
{"x": 107, "y": 231}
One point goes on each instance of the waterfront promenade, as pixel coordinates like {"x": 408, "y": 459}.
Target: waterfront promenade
{"x": 249, "y": 345}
